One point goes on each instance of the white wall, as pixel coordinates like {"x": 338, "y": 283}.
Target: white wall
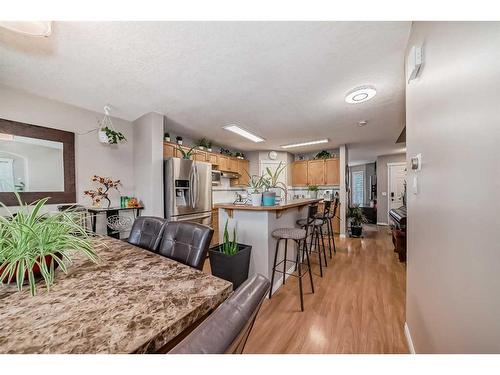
{"x": 91, "y": 157}
{"x": 148, "y": 162}
{"x": 453, "y": 117}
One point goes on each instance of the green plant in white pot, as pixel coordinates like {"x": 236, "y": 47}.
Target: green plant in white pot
{"x": 272, "y": 186}
{"x": 33, "y": 244}
{"x": 255, "y": 185}
{"x": 313, "y": 191}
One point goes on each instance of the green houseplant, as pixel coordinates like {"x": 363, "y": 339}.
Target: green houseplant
{"x": 357, "y": 219}
{"x": 272, "y": 185}
{"x": 202, "y": 143}
{"x": 323, "y": 155}
{"x": 113, "y": 137}
{"x": 313, "y": 191}
{"x": 255, "y": 185}
{"x": 230, "y": 260}
{"x": 34, "y": 244}
{"x": 186, "y": 154}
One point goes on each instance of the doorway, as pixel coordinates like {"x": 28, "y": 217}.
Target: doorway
{"x": 396, "y": 173}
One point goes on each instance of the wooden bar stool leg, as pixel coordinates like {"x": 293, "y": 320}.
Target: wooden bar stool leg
{"x": 274, "y": 267}
{"x": 284, "y": 261}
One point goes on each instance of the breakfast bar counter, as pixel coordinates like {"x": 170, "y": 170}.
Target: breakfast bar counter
{"x": 132, "y": 301}
{"x": 254, "y": 226}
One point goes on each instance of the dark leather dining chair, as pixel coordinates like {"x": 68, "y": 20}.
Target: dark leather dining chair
{"x": 227, "y": 329}
{"x": 146, "y": 232}
{"x": 186, "y": 242}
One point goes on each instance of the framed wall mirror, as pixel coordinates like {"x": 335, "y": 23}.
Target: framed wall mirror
{"x": 36, "y": 162}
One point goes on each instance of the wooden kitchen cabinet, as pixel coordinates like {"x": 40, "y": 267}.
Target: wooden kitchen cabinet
{"x": 222, "y": 162}
{"x": 200, "y": 155}
{"x": 215, "y": 227}
{"x": 211, "y": 158}
{"x": 243, "y": 169}
{"x": 299, "y": 173}
{"x": 316, "y": 172}
{"x": 332, "y": 171}
{"x": 168, "y": 150}
{"x": 233, "y": 165}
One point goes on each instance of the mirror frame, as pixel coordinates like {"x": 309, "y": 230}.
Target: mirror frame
{"x": 41, "y": 132}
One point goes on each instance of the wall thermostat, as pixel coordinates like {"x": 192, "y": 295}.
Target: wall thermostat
{"x": 273, "y": 155}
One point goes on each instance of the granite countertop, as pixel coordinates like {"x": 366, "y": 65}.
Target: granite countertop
{"x": 133, "y": 301}
{"x": 279, "y": 207}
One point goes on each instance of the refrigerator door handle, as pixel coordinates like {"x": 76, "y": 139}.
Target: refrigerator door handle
{"x": 191, "y": 188}
{"x": 197, "y": 186}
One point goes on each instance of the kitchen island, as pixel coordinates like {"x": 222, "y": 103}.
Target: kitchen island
{"x": 254, "y": 226}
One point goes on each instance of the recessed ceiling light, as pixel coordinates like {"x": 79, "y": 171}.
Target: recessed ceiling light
{"x": 244, "y": 133}
{"x": 31, "y": 28}
{"x": 306, "y": 143}
{"x": 360, "y": 94}
{"x": 362, "y": 123}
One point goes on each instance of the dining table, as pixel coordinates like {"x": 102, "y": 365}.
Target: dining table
{"x": 130, "y": 301}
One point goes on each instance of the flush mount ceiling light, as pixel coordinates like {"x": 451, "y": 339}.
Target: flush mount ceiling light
{"x": 360, "y": 94}
{"x": 244, "y": 133}
{"x": 362, "y": 123}
{"x": 306, "y": 143}
{"x": 31, "y": 28}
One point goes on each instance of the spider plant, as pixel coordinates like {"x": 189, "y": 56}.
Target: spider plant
{"x": 31, "y": 240}
{"x": 255, "y": 183}
{"x": 186, "y": 154}
{"x": 271, "y": 178}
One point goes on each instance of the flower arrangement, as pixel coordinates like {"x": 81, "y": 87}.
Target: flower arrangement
{"x": 97, "y": 195}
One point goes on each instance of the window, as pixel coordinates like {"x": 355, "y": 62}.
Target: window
{"x": 358, "y": 187}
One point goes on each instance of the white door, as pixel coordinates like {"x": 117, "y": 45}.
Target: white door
{"x": 397, "y": 178}
{"x": 6, "y": 175}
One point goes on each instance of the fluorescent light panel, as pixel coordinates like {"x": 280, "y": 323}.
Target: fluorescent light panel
{"x": 306, "y": 143}
{"x": 244, "y": 133}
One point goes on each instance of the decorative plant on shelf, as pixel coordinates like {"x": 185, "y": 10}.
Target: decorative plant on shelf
{"x": 33, "y": 243}
{"x": 272, "y": 185}
{"x": 101, "y": 192}
{"x": 186, "y": 154}
{"x": 209, "y": 146}
{"x": 107, "y": 133}
{"x": 323, "y": 155}
{"x": 225, "y": 151}
{"x": 202, "y": 143}
{"x": 179, "y": 140}
{"x": 166, "y": 137}
{"x": 239, "y": 155}
{"x": 357, "y": 219}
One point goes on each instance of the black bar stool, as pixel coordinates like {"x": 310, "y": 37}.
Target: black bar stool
{"x": 331, "y": 215}
{"x": 314, "y": 227}
{"x": 299, "y": 236}
{"x": 325, "y": 217}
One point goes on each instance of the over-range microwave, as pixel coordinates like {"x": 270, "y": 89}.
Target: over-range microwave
{"x": 216, "y": 176}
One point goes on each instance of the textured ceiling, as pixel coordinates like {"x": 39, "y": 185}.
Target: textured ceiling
{"x": 285, "y": 81}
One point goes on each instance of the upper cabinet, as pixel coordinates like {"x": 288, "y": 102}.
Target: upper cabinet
{"x": 316, "y": 172}
{"x": 299, "y": 173}
{"x": 332, "y": 171}
{"x": 243, "y": 168}
{"x": 222, "y": 162}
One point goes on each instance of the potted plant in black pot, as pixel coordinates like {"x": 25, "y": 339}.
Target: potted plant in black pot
{"x": 230, "y": 260}
{"x": 357, "y": 219}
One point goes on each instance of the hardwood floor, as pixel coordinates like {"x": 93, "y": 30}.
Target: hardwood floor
{"x": 358, "y": 305}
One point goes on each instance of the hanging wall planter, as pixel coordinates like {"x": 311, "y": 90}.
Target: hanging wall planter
{"x": 107, "y": 134}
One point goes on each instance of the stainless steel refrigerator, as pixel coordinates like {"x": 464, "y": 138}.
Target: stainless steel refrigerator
{"x": 188, "y": 190}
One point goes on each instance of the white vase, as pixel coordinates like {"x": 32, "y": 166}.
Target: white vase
{"x": 256, "y": 199}
{"x": 313, "y": 194}
{"x": 103, "y": 138}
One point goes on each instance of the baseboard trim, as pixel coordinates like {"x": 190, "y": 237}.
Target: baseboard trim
{"x": 383, "y": 224}
{"x": 408, "y": 339}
